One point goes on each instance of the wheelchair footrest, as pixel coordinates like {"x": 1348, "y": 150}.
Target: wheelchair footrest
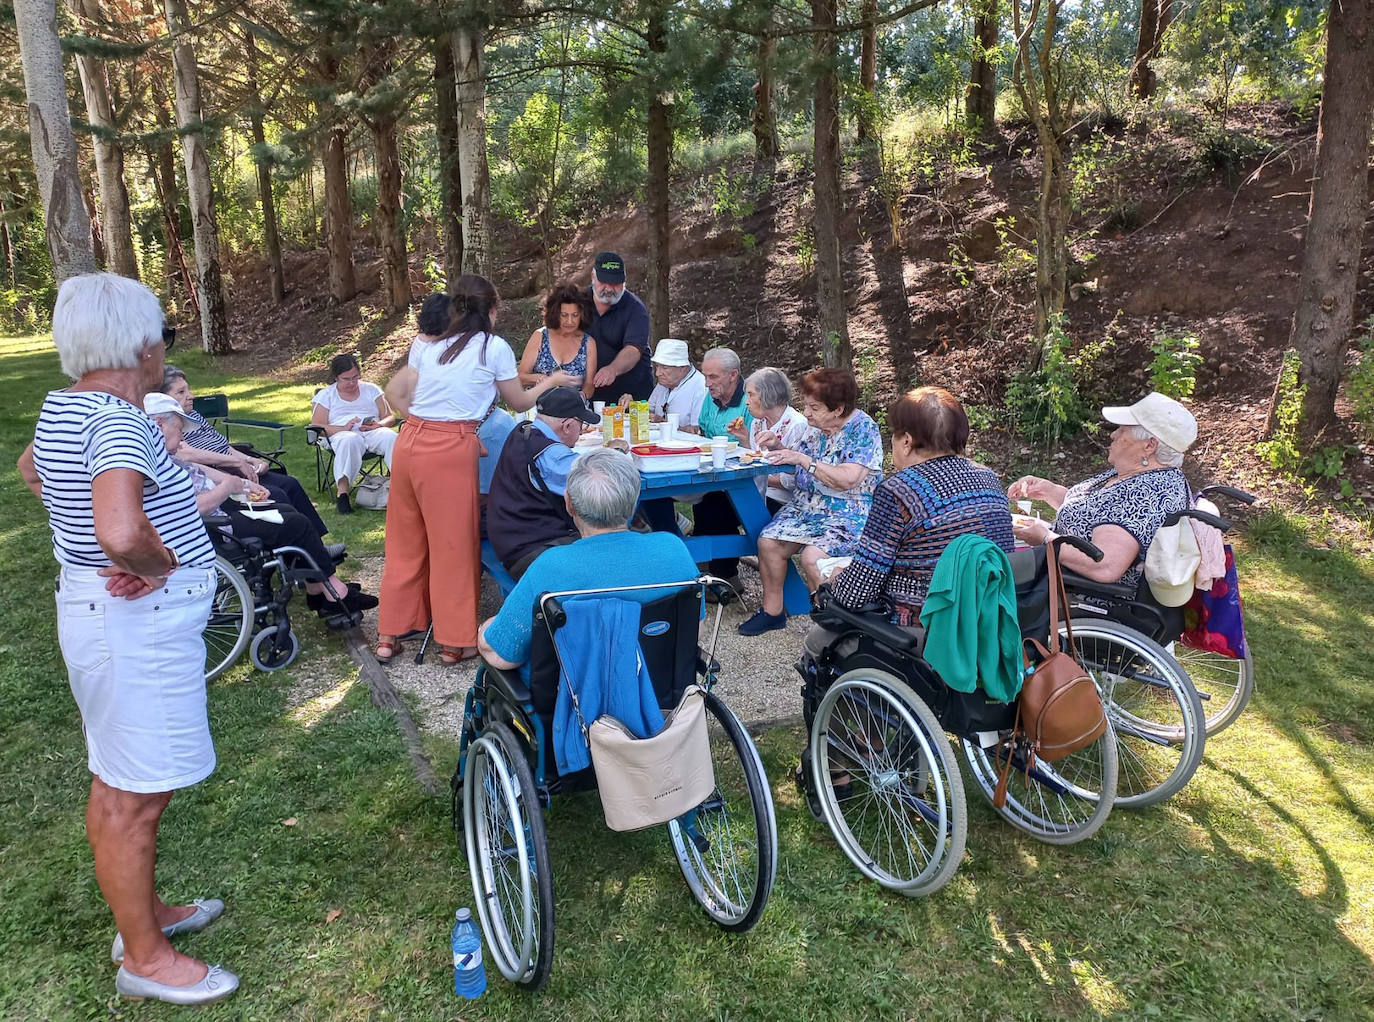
{"x": 342, "y": 622}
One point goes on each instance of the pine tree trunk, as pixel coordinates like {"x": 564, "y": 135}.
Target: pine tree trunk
{"x": 766, "y": 142}
{"x": 391, "y": 235}
{"x": 660, "y": 145}
{"x": 1325, "y": 315}
{"x": 826, "y": 152}
{"x": 1155, "y": 16}
{"x": 116, "y": 225}
{"x": 980, "y": 101}
{"x": 469, "y": 60}
{"x": 214, "y": 313}
{"x": 337, "y": 203}
{"x": 271, "y": 238}
{"x": 868, "y": 68}
{"x": 450, "y": 175}
{"x": 7, "y": 243}
{"x": 51, "y": 140}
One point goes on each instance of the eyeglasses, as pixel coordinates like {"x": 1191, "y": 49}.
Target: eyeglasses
{"x": 169, "y": 337}
{"x": 351, "y": 378}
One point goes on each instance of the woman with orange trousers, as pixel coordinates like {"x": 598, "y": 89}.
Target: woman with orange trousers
{"x": 433, "y": 562}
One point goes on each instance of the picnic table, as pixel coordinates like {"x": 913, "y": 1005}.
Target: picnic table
{"x": 736, "y": 481}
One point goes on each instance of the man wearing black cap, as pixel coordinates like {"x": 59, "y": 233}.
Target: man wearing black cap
{"x": 525, "y": 509}
{"x": 620, "y": 324}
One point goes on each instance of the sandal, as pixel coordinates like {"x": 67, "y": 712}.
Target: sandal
{"x": 386, "y": 649}
{"x": 450, "y": 656}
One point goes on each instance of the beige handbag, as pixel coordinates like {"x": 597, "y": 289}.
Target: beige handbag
{"x": 648, "y": 781}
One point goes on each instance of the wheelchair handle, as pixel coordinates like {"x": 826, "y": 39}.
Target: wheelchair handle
{"x": 1215, "y": 521}
{"x": 1081, "y": 545}
{"x": 1228, "y": 491}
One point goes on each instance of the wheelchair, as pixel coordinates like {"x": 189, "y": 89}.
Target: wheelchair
{"x": 878, "y": 714}
{"x": 249, "y": 608}
{"x": 1165, "y": 698}
{"x": 726, "y": 847}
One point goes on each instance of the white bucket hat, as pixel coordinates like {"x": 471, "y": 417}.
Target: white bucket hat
{"x": 1167, "y": 420}
{"x": 1172, "y": 562}
{"x": 671, "y": 352}
{"x": 164, "y": 404}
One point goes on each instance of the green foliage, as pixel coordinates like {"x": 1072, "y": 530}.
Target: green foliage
{"x": 1048, "y": 404}
{"x": 1226, "y": 151}
{"x": 1099, "y": 182}
{"x": 804, "y": 238}
{"x": 730, "y": 194}
{"x": 1328, "y": 464}
{"x": 1281, "y": 449}
{"x": 1173, "y": 368}
{"x": 1359, "y": 382}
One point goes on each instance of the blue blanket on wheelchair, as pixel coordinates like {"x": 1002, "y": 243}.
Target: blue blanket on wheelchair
{"x": 599, "y": 649}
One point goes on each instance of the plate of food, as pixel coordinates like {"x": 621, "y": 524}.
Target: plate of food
{"x": 730, "y": 448}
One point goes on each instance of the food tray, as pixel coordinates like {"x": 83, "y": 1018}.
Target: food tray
{"x": 668, "y": 456}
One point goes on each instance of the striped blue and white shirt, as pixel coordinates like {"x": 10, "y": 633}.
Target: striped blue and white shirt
{"x": 204, "y": 436}
{"x": 81, "y": 434}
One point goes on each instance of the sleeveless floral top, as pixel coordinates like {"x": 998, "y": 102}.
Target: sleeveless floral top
{"x": 545, "y": 362}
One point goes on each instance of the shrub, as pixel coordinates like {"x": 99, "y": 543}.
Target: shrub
{"x": 1281, "y": 449}
{"x": 1359, "y": 382}
{"x": 1046, "y": 403}
{"x": 1174, "y": 366}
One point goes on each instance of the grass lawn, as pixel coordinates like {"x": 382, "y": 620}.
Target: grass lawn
{"x": 1249, "y": 896}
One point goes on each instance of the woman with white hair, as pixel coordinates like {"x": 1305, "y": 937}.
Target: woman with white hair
{"x": 1119, "y": 510}
{"x": 137, "y": 578}
{"x": 776, "y": 424}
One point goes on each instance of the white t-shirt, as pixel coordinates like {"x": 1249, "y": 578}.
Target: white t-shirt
{"x": 685, "y": 398}
{"x": 342, "y": 411}
{"x": 465, "y": 388}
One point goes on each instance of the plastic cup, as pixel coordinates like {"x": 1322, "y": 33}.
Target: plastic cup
{"x": 670, "y": 421}
{"x": 719, "y": 446}
{"x": 599, "y": 407}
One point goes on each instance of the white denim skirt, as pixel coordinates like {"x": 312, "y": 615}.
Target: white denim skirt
{"x": 137, "y": 670}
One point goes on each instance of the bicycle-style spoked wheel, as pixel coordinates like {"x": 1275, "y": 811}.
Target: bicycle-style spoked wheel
{"x": 887, "y": 782}
{"x": 1224, "y": 684}
{"x": 1152, "y": 705}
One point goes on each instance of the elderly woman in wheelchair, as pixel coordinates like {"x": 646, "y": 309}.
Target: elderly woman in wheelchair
{"x": 554, "y": 652}
{"x": 1121, "y": 627}
{"x": 240, "y": 530}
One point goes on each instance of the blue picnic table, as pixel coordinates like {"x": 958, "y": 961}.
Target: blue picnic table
{"x": 737, "y": 482}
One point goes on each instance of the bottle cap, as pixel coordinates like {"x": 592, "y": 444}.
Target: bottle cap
{"x": 464, "y": 915}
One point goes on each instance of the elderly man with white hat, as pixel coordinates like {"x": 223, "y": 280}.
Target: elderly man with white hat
{"x": 1119, "y": 510}
{"x": 681, "y": 388}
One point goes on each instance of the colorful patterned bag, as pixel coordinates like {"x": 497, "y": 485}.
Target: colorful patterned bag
{"x": 1213, "y": 620}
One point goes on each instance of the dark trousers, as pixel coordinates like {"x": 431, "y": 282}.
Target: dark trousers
{"x": 661, "y": 514}
{"x": 714, "y": 515}
{"x": 522, "y": 563}
{"x": 294, "y": 530}
{"x": 287, "y": 490}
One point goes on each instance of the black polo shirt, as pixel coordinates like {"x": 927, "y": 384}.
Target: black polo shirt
{"x": 625, "y": 322}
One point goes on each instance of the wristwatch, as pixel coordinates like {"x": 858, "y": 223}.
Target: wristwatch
{"x": 176, "y": 561}
{"x": 811, "y": 466}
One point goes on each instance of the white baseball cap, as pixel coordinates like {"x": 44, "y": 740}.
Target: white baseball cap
{"x": 1166, "y": 420}
{"x": 164, "y": 404}
{"x": 671, "y": 352}
{"x": 1172, "y": 562}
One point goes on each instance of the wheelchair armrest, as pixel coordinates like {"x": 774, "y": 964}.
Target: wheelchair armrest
{"x": 1215, "y": 521}
{"x": 1230, "y": 492}
{"x": 509, "y": 684}
{"x": 1090, "y": 587}
{"x": 217, "y": 519}
{"x": 872, "y": 619}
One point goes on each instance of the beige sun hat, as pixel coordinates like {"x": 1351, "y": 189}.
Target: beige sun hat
{"x": 1167, "y": 420}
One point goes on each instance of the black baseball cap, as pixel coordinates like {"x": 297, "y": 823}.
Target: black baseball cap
{"x": 609, "y": 268}
{"x": 566, "y": 403}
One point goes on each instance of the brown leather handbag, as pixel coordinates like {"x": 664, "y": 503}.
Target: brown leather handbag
{"x": 1058, "y": 711}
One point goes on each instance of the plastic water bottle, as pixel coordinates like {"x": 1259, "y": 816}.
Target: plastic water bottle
{"x": 469, "y": 974}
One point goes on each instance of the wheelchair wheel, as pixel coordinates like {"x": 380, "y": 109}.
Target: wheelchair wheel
{"x": 230, "y": 625}
{"x": 1153, "y": 707}
{"x": 1224, "y": 684}
{"x": 1060, "y": 803}
{"x": 274, "y": 647}
{"x": 508, "y": 857}
{"x": 901, "y": 819}
{"x": 727, "y": 847}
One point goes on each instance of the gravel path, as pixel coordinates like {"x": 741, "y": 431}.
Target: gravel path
{"x": 757, "y": 679}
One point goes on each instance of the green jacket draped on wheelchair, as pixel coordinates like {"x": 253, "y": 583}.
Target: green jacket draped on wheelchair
{"x": 972, "y": 634}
